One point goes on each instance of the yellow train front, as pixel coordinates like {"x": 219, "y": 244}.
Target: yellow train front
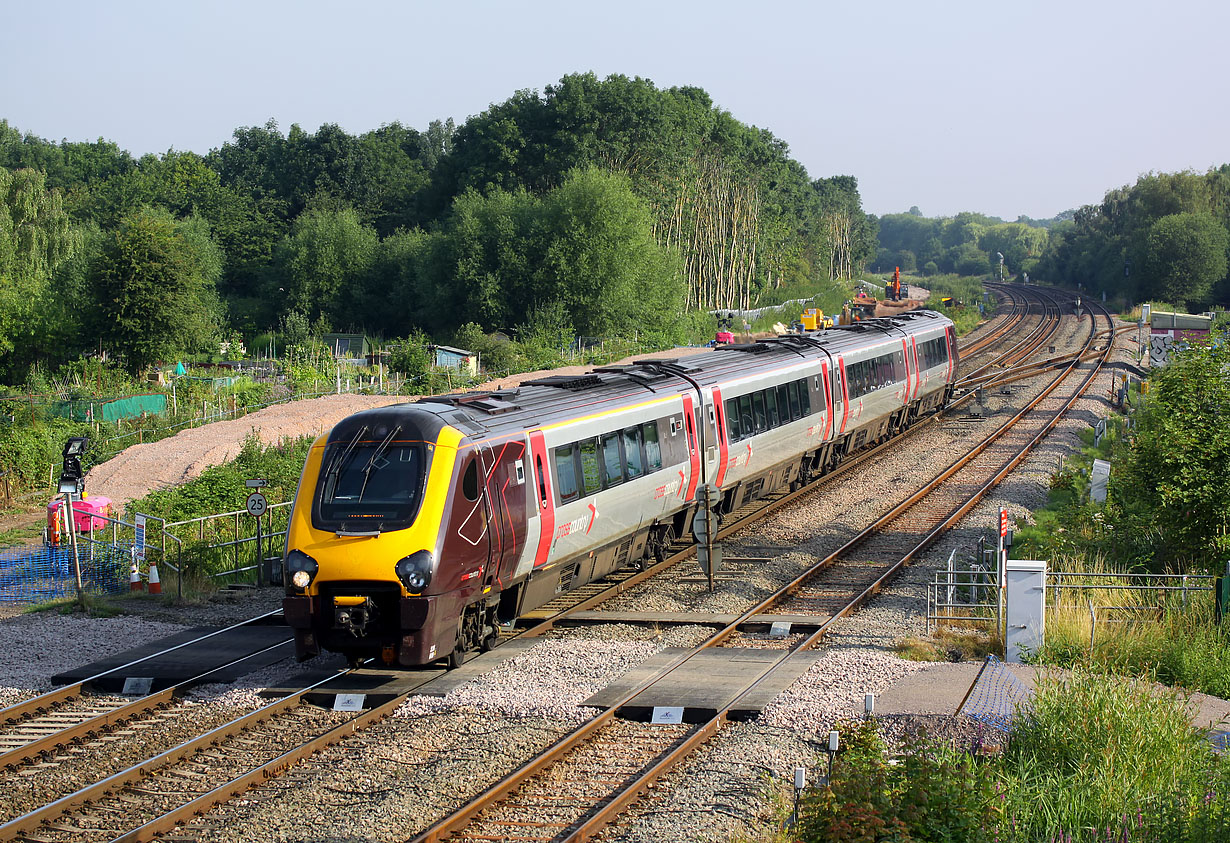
{"x": 362, "y": 568}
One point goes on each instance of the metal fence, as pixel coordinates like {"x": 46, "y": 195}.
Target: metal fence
{"x": 971, "y": 594}
{"x": 225, "y": 546}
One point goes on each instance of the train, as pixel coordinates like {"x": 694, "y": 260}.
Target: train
{"x": 419, "y": 528}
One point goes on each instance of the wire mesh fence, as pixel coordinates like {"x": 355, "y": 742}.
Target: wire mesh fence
{"x": 37, "y": 574}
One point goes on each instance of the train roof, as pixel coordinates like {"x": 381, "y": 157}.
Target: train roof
{"x": 553, "y": 397}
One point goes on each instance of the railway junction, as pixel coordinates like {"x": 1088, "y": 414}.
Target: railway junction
{"x": 644, "y": 709}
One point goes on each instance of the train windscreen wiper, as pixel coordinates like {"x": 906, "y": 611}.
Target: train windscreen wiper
{"x": 336, "y": 468}
{"x": 376, "y": 455}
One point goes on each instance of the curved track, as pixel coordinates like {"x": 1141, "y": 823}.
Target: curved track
{"x": 553, "y": 798}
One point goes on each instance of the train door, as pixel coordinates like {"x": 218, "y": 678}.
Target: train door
{"x": 841, "y": 398}
{"x": 723, "y": 441}
{"x": 505, "y": 492}
{"x": 830, "y": 418}
{"x": 694, "y": 457}
{"x": 471, "y": 517}
{"x": 915, "y": 367}
{"x": 540, "y": 508}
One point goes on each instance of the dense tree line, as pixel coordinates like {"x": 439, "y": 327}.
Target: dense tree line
{"x": 1164, "y": 238}
{"x": 611, "y": 205}
{"x": 967, "y": 244}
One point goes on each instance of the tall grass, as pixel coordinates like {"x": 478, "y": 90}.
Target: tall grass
{"x": 1104, "y": 758}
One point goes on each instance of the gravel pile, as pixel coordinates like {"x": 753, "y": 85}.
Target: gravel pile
{"x": 142, "y": 468}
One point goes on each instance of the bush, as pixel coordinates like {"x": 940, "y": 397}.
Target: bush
{"x": 933, "y": 794}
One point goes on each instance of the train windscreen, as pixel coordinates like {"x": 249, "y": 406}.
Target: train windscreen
{"x": 369, "y": 486}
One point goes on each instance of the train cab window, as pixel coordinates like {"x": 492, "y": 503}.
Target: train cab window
{"x": 732, "y": 419}
{"x": 566, "y": 474}
{"x": 612, "y": 460}
{"x": 590, "y": 473}
{"x": 758, "y": 410}
{"x": 653, "y": 448}
{"x": 634, "y": 465}
{"x": 770, "y": 405}
{"x": 469, "y": 481}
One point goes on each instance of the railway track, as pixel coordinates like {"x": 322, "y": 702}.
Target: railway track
{"x": 554, "y": 798}
{"x": 645, "y": 753}
{"x": 37, "y": 728}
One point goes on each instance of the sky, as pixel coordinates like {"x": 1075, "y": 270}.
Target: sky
{"x": 1002, "y": 108}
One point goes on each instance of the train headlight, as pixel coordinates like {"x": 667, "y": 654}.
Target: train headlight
{"x": 302, "y": 568}
{"x": 414, "y": 571}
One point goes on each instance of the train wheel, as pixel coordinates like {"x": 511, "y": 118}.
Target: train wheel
{"x": 458, "y": 657}
{"x": 665, "y": 538}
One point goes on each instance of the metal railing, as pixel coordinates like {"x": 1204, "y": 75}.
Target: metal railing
{"x": 239, "y": 545}
{"x": 971, "y": 594}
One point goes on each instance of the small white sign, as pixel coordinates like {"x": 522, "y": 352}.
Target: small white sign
{"x": 779, "y": 629}
{"x": 137, "y": 686}
{"x": 667, "y": 714}
{"x": 349, "y": 702}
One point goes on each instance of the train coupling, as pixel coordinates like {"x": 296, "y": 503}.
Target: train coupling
{"x": 353, "y": 613}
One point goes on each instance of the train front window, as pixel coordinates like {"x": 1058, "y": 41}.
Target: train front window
{"x": 370, "y": 486}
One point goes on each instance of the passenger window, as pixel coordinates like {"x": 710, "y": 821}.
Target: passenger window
{"x": 804, "y": 397}
{"x": 469, "y": 481}
{"x": 746, "y": 425}
{"x": 612, "y": 461}
{"x": 732, "y": 419}
{"x": 770, "y": 404}
{"x": 792, "y": 396}
{"x": 590, "y": 473}
{"x": 783, "y": 404}
{"x": 758, "y": 410}
{"x": 633, "y": 462}
{"x": 566, "y": 474}
{"x": 653, "y": 449}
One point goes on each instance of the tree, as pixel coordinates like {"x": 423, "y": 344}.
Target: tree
{"x": 1186, "y": 256}
{"x": 35, "y": 237}
{"x": 1174, "y": 483}
{"x": 601, "y": 259}
{"x": 155, "y": 288}
{"x": 323, "y": 262}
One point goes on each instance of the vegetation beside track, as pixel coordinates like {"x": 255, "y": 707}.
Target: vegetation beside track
{"x": 1095, "y": 758}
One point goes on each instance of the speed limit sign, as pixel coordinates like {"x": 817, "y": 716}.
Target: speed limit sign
{"x": 257, "y": 504}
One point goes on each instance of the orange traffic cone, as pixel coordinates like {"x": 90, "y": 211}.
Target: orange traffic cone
{"x": 155, "y": 584}
{"x": 134, "y": 579}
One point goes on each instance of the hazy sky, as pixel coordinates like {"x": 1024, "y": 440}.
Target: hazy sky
{"x": 1008, "y": 109}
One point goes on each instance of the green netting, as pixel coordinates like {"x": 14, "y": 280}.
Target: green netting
{"x": 133, "y": 406}
{"x": 129, "y": 407}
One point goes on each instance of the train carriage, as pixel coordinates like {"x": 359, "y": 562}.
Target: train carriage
{"x": 417, "y": 528}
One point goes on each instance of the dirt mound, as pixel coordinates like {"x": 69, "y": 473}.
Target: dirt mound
{"x": 140, "y": 469}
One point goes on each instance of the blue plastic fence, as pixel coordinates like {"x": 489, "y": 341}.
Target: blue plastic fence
{"x": 34, "y": 574}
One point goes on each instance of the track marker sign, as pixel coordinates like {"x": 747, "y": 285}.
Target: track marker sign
{"x": 667, "y": 714}
{"x": 138, "y": 542}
